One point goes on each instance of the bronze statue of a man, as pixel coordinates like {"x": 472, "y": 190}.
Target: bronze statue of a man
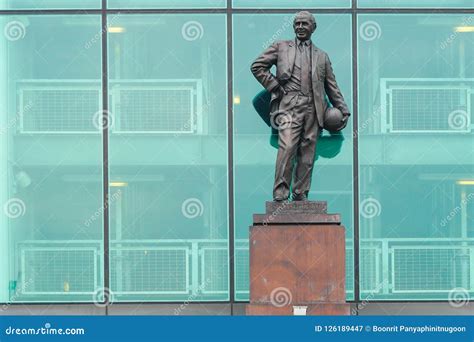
{"x": 303, "y": 77}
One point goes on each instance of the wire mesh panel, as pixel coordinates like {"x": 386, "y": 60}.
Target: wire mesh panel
{"x": 349, "y": 270}
{"x": 215, "y": 270}
{"x": 369, "y": 261}
{"x": 242, "y": 271}
{"x": 55, "y": 270}
{"x": 370, "y": 272}
{"x": 429, "y": 269}
{"x": 157, "y": 106}
{"x": 58, "y": 109}
{"x": 150, "y": 270}
{"x": 156, "y": 110}
{"x": 426, "y": 105}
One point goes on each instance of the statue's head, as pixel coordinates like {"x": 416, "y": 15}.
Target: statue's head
{"x": 304, "y": 25}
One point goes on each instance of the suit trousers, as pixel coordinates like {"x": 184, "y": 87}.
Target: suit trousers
{"x": 296, "y": 146}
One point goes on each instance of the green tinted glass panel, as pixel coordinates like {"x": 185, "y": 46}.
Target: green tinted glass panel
{"x": 415, "y": 3}
{"x": 291, "y": 3}
{"x": 166, "y": 3}
{"x": 51, "y": 159}
{"x": 254, "y": 154}
{"x": 168, "y": 158}
{"x": 416, "y": 157}
{"x": 49, "y": 4}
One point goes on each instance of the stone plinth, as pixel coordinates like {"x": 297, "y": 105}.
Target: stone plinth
{"x": 297, "y": 258}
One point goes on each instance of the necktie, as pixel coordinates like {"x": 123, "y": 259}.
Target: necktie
{"x": 305, "y": 67}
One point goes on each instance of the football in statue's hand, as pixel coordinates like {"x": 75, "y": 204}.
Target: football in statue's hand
{"x": 333, "y": 120}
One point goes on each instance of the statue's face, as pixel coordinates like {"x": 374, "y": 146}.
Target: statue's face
{"x": 304, "y": 28}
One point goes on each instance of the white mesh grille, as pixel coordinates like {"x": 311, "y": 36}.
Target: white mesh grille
{"x": 429, "y": 269}
{"x": 59, "y": 271}
{"x": 150, "y": 270}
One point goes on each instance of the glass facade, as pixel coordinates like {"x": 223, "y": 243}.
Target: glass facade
{"x": 166, "y": 3}
{"x": 291, "y": 3}
{"x": 51, "y": 159}
{"x": 49, "y": 4}
{"x": 188, "y": 162}
{"x": 168, "y": 157}
{"x": 416, "y": 161}
{"x": 415, "y": 4}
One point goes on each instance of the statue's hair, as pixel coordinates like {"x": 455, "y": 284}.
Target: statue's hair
{"x": 306, "y": 14}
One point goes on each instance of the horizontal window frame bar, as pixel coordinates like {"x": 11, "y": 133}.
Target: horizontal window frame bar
{"x": 99, "y": 11}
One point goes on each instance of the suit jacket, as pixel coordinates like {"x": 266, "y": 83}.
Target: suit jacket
{"x": 282, "y": 54}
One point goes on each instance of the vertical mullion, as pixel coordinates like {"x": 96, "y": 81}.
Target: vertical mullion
{"x": 105, "y": 154}
{"x": 230, "y": 156}
{"x": 355, "y": 154}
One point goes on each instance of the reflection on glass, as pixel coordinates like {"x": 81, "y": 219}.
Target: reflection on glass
{"x": 166, "y": 3}
{"x": 291, "y": 3}
{"x": 49, "y": 4}
{"x": 50, "y": 159}
{"x": 416, "y": 156}
{"x": 168, "y": 158}
{"x": 415, "y": 3}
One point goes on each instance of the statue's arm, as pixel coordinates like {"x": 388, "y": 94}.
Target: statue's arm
{"x": 261, "y": 67}
{"x": 332, "y": 89}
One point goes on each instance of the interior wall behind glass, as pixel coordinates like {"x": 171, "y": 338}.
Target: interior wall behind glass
{"x": 254, "y": 151}
{"x": 415, "y": 3}
{"x": 166, "y": 3}
{"x": 291, "y": 3}
{"x": 49, "y": 4}
{"x": 50, "y": 159}
{"x": 416, "y": 152}
{"x": 168, "y": 157}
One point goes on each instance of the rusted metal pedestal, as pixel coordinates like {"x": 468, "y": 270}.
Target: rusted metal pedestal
{"x": 297, "y": 261}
